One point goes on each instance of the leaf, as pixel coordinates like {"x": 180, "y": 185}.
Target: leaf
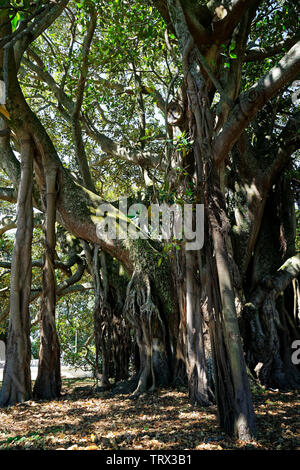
{"x": 15, "y": 21}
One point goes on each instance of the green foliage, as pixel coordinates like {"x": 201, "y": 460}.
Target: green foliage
{"x": 274, "y": 22}
{"x": 75, "y": 326}
{"x": 129, "y": 62}
{"x": 123, "y": 43}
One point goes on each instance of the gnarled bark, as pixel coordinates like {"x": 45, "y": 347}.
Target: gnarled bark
{"x": 150, "y": 333}
{"x": 268, "y": 322}
{"x": 237, "y": 409}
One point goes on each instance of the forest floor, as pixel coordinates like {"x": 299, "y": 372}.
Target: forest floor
{"x": 164, "y": 420}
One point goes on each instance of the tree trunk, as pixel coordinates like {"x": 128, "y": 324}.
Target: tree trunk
{"x": 16, "y": 385}
{"x": 121, "y": 340}
{"x": 269, "y": 324}
{"x": 235, "y": 409}
{"x": 48, "y": 382}
{"x": 102, "y": 320}
{"x": 151, "y": 335}
{"x": 198, "y": 383}
{"x": 236, "y": 412}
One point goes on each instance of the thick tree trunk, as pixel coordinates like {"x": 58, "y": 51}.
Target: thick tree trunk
{"x": 150, "y": 333}
{"x": 235, "y": 409}
{"x": 269, "y": 326}
{"x": 121, "y": 340}
{"x": 178, "y": 271}
{"x": 48, "y": 382}
{"x": 198, "y": 383}
{"x": 112, "y": 338}
{"x": 271, "y": 333}
{"x": 236, "y": 412}
{"x": 102, "y": 320}
{"x": 16, "y": 385}
{"x": 121, "y": 351}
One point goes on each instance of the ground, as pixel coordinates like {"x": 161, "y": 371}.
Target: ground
{"x": 164, "y": 420}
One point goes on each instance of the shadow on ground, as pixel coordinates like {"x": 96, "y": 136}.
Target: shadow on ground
{"x": 84, "y": 418}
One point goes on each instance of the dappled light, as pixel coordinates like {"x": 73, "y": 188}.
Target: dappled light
{"x": 149, "y": 225}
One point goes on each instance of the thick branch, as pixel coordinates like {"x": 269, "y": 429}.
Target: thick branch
{"x": 228, "y": 16}
{"x": 75, "y": 288}
{"x": 278, "y": 283}
{"x": 254, "y": 99}
{"x": 65, "y": 267}
{"x": 114, "y": 149}
{"x": 9, "y": 162}
{"x": 41, "y": 23}
{"x": 287, "y": 143}
{"x": 64, "y": 288}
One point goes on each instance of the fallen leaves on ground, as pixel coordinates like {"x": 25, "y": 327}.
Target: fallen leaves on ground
{"x": 80, "y": 420}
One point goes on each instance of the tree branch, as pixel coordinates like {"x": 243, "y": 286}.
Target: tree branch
{"x": 109, "y": 146}
{"x": 9, "y": 162}
{"x": 277, "y": 283}
{"x": 287, "y": 143}
{"x": 255, "y": 54}
{"x": 8, "y": 194}
{"x": 64, "y": 288}
{"x": 65, "y": 267}
{"x": 254, "y": 99}
{"x": 228, "y": 15}
{"x": 114, "y": 149}
{"x": 75, "y": 288}
{"x": 42, "y": 22}
{"x": 76, "y": 111}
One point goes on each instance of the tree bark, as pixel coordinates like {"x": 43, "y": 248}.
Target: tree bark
{"x": 147, "y": 322}
{"x": 268, "y": 321}
{"x": 102, "y": 321}
{"x": 199, "y": 392}
{"x": 238, "y": 418}
{"x": 236, "y": 414}
{"x": 16, "y": 387}
{"x": 48, "y": 382}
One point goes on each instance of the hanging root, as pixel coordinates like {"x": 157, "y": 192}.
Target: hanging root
{"x": 143, "y": 315}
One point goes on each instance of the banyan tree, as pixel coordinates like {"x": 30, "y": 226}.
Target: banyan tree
{"x": 163, "y": 101}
